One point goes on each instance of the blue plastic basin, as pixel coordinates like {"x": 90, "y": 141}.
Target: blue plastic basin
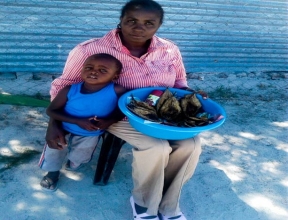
{"x": 165, "y": 131}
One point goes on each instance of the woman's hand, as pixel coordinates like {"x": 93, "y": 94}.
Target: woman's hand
{"x": 200, "y": 92}
{"x": 203, "y": 94}
{"x": 55, "y": 135}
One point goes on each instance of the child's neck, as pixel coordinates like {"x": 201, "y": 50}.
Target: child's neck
{"x": 90, "y": 88}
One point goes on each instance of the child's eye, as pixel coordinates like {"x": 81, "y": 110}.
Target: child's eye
{"x": 88, "y": 68}
{"x": 103, "y": 71}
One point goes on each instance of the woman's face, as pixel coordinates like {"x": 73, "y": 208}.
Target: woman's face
{"x": 138, "y": 26}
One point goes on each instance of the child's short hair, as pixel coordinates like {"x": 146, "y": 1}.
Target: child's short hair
{"x": 109, "y": 57}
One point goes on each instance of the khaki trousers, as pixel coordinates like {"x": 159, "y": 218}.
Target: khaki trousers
{"x": 159, "y": 168}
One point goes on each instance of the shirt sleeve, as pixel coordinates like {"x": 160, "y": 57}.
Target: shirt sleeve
{"x": 72, "y": 70}
{"x": 181, "y": 80}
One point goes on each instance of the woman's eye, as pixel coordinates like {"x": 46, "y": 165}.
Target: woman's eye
{"x": 149, "y": 24}
{"x": 131, "y": 21}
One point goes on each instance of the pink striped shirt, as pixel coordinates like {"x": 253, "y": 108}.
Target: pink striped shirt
{"x": 162, "y": 65}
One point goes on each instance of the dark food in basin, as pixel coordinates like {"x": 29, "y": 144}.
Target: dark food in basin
{"x": 171, "y": 110}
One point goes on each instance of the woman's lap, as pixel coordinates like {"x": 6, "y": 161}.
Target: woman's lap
{"x": 125, "y": 131}
{"x": 156, "y": 160}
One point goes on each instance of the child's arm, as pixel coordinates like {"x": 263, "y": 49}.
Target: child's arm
{"x": 56, "y": 111}
{"x": 56, "y": 108}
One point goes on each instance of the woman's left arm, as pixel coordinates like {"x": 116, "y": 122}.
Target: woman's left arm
{"x": 181, "y": 80}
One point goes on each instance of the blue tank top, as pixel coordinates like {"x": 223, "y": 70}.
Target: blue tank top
{"x": 100, "y": 104}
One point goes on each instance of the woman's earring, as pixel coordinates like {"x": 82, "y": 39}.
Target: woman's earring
{"x": 119, "y": 26}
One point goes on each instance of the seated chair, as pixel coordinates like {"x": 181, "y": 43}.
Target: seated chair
{"x": 111, "y": 146}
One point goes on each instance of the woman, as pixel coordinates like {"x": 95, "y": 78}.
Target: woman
{"x": 160, "y": 167}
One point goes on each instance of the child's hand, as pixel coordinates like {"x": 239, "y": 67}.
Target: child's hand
{"x": 104, "y": 123}
{"x": 89, "y": 124}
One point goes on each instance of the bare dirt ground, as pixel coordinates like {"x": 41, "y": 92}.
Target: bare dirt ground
{"x": 242, "y": 173}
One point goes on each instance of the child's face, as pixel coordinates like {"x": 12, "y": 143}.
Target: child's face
{"x": 99, "y": 71}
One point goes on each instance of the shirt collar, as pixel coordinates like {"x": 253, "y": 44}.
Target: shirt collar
{"x": 114, "y": 41}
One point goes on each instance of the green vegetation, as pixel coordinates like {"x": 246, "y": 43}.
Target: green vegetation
{"x": 37, "y": 101}
{"x": 222, "y": 92}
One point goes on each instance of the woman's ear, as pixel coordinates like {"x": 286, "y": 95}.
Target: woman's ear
{"x": 119, "y": 25}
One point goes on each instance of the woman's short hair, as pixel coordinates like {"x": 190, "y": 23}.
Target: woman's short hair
{"x": 148, "y": 5}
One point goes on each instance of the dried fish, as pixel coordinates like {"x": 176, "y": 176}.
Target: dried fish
{"x": 190, "y": 105}
{"x": 166, "y": 95}
{"x": 170, "y": 109}
{"x": 194, "y": 121}
{"x": 143, "y": 110}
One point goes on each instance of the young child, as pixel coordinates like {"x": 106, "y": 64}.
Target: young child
{"x": 83, "y": 109}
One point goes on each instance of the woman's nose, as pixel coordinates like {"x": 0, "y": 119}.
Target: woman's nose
{"x": 139, "y": 26}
